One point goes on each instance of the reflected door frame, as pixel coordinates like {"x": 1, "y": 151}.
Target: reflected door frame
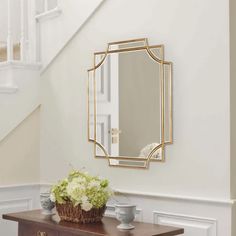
{"x": 107, "y": 88}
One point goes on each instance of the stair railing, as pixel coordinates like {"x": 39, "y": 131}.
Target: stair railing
{"x": 9, "y": 32}
{"x": 25, "y": 47}
{"x": 12, "y": 47}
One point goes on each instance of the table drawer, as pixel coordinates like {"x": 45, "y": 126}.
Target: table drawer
{"x": 35, "y": 230}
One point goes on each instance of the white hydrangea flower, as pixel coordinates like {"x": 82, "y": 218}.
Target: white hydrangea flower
{"x": 74, "y": 185}
{"x": 52, "y": 197}
{"x": 76, "y": 190}
{"x": 71, "y": 187}
{"x": 86, "y": 206}
{"x": 82, "y": 189}
{"x": 80, "y": 180}
{"x": 95, "y": 184}
{"x": 84, "y": 199}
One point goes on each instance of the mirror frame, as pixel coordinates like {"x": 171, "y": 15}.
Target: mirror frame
{"x": 161, "y": 62}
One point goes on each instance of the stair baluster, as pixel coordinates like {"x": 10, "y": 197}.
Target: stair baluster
{"x": 22, "y": 39}
{"x": 9, "y": 33}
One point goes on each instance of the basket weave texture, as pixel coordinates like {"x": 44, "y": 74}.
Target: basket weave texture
{"x": 71, "y": 213}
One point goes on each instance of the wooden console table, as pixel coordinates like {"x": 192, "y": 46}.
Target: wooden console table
{"x": 33, "y": 223}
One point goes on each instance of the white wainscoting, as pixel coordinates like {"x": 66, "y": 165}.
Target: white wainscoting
{"x": 198, "y": 216}
{"x": 15, "y": 199}
{"x": 194, "y": 226}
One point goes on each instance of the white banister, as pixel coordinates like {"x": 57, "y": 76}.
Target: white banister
{"x": 9, "y": 33}
{"x": 45, "y": 5}
{"x": 33, "y": 51}
{"x": 22, "y": 38}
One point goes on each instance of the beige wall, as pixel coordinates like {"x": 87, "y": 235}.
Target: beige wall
{"x": 19, "y": 153}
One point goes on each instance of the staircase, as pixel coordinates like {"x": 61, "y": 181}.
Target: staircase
{"x": 34, "y": 33}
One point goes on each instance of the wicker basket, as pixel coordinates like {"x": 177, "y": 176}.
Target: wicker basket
{"x": 67, "y": 212}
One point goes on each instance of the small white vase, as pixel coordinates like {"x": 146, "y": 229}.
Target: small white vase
{"x": 46, "y": 204}
{"x": 125, "y": 213}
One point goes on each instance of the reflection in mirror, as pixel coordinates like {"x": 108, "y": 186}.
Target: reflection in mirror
{"x": 139, "y": 104}
{"x": 168, "y": 103}
{"x": 126, "y": 46}
{"x": 134, "y": 107}
{"x": 128, "y": 163}
{"x": 129, "y": 104}
{"x": 90, "y": 91}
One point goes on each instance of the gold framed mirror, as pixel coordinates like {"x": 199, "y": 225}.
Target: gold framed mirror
{"x": 130, "y": 103}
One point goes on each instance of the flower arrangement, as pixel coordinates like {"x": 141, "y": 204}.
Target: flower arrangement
{"x": 83, "y": 193}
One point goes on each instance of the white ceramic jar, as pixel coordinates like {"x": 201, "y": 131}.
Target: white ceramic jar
{"x": 46, "y": 203}
{"x": 125, "y": 213}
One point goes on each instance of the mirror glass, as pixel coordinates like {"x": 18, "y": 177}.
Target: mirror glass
{"x": 126, "y": 95}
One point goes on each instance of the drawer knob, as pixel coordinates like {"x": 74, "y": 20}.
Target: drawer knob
{"x": 41, "y": 233}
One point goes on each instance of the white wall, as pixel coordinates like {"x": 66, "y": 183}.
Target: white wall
{"x": 196, "y": 38}
{"x": 3, "y": 20}
{"x": 15, "y": 23}
{"x": 198, "y": 161}
{"x": 233, "y": 95}
{"x": 55, "y": 33}
{"x": 233, "y": 106}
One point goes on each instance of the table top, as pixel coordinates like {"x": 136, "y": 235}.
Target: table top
{"x": 106, "y": 228}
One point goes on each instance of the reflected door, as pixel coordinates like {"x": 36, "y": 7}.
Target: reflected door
{"x": 107, "y": 105}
